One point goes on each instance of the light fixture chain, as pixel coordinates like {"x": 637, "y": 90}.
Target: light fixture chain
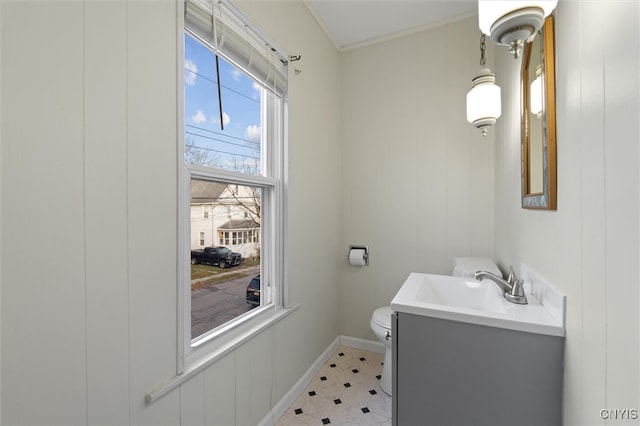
{"x": 483, "y": 46}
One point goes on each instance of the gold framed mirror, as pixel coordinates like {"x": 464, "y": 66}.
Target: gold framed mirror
{"x": 539, "y": 121}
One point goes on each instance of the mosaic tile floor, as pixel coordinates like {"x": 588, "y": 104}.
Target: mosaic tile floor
{"x": 344, "y": 392}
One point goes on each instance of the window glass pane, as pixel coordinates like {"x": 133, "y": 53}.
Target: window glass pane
{"x": 230, "y": 140}
{"x": 221, "y": 276}
{"x": 231, "y": 123}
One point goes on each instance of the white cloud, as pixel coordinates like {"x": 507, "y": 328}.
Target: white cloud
{"x": 199, "y": 117}
{"x": 190, "y": 70}
{"x": 236, "y": 74}
{"x": 215, "y": 119}
{"x": 253, "y": 133}
{"x": 257, "y": 91}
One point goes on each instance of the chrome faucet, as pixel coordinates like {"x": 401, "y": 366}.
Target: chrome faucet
{"x": 512, "y": 288}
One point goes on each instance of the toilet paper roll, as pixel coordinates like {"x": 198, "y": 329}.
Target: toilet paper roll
{"x": 357, "y": 257}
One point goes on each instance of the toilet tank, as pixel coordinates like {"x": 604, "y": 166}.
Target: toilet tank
{"x": 467, "y": 266}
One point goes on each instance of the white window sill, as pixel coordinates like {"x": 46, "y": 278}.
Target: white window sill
{"x": 209, "y": 357}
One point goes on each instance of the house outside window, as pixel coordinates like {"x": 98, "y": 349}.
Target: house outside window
{"x": 242, "y": 236}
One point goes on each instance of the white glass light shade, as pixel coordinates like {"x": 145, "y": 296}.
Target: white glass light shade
{"x": 536, "y": 96}
{"x": 489, "y": 11}
{"x": 483, "y": 101}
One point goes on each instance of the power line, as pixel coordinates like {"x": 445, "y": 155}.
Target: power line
{"x": 223, "y": 152}
{"x": 222, "y": 85}
{"x": 217, "y": 140}
{"x": 222, "y": 134}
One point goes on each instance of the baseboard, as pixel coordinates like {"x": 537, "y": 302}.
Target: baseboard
{"x": 281, "y": 407}
{"x": 353, "y": 342}
{"x": 365, "y": 345}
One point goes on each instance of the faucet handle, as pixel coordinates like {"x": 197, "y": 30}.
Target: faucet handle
{"x": 518, "y": 287}
{"x": 513, "y": 278}
{"x": 516, "y": 294}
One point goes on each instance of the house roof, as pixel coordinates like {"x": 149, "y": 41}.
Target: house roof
{"x": 203, "y": 192}
{"x": 240, "y": 224}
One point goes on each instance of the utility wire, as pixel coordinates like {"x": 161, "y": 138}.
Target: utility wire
{"x": 223, "y": 152}
{"x": 221, "y": 134}
{"x": 217, "y": 140}
{"x": 223, "y": 85}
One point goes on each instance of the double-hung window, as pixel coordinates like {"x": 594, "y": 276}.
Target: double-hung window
{"x": 232, "y": 168}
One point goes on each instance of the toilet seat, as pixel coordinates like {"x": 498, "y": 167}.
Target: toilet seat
{"x": 382, "y": 317}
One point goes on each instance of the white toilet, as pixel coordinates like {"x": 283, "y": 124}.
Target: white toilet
{"x": 381, "y": 319}
{"x": 381, "y": 326}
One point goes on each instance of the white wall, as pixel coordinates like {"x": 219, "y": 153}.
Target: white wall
{"x": 380, "y": 154}
{"x": 589, "y": 246}
{"x": 88, "y": 152}
{"x": 418, "y": 180}
{"x": 1, "y": 209}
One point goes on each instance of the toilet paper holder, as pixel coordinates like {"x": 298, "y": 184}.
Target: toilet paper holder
{"x": 365, "y": 256}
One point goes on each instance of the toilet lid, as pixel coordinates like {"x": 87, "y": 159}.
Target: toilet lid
{"x": 382, "y": 317}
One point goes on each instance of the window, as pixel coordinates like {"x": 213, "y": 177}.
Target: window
{"x": 234, "y": 85}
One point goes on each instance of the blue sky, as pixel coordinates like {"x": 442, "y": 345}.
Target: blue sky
{"x": 236, "y": 145}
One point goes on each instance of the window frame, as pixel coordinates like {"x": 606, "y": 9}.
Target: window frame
{"x": 194, "y": 352}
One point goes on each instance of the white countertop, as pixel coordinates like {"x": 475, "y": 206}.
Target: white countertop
{"x": 532, "y": 317}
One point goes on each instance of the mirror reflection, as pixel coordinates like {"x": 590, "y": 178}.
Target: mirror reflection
{"x": 536, "y": 132}
{"x": 538, "y": 121}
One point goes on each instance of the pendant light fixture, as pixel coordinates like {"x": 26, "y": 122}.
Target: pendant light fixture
{"x": 535, "y": 94}
{"x": 513, "y": 22}
{"x": 483, "y": 100}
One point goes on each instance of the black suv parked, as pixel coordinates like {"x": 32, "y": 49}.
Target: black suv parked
{"x": 253, "y": 291}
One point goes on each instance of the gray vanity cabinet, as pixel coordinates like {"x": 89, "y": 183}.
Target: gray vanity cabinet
{"x": 455, "y": 373}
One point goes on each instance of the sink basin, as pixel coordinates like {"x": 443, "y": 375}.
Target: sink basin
{"x": 461, "y": 293}
{"x": 468, "y": 300}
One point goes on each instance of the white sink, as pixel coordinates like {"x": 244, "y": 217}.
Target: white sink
{"x": 457, "y": 292}
{"x": 468, "y": 300}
